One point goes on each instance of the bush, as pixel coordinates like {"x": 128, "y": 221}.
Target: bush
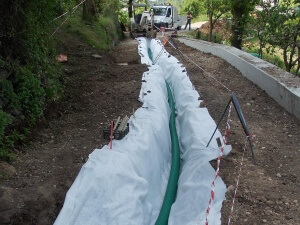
{"x": 101, "y": 34}
{"x": 29, "y": 73}
{"x": 216, "y": 37}
{"x": 274, "y": 59}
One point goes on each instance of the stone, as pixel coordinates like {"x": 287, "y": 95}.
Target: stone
{"x": 96, "y": 56}
{"x": 289, "y": 217}
{"x": 7, "y": 170}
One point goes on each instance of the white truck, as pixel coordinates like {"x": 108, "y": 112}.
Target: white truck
{"x": 167, "y": 16}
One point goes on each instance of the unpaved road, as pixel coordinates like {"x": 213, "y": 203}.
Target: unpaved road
{"x": 98, "y": 90}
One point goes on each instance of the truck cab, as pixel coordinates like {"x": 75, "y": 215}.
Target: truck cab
{"x": 167, "y": 16}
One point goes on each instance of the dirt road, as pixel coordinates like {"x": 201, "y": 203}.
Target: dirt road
{"x": 98, "y": 90}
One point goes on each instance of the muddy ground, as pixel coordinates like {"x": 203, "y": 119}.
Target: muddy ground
{"x": 98, "y": 90}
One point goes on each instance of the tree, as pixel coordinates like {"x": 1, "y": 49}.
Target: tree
{"x": 214, "y": 9}
{"x": 240, "y": 10}
{"x": 284, "y": 29}
{"x": 130, "y": 8}
{"x": 89, "y": 10}
{"x": 193, "y": 6}
{"x": 259, "y": 25}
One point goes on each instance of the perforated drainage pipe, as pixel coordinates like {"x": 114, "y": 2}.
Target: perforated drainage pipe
{"x": 171, "y": 190}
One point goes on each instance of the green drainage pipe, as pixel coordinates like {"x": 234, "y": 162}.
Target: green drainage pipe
{"x": 150, "y": 54}
{"x": 171, "y": 191}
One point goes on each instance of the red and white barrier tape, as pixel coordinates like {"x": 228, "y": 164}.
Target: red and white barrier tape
{"x": 213, "y": 185}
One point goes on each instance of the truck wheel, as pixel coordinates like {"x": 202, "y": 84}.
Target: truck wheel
{"x": 133, "y": 35}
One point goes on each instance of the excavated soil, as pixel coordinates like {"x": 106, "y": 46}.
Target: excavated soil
{"x": 100, "y": 89}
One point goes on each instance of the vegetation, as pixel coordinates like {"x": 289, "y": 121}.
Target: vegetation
{"x": 240, "y": 11}
{"x": 274, "y": 26}
{"x": 215, "y": 9}
{"x": 279, "y": 40}
{"x": 193, "y": 6}
{"x": 30, "y": 77}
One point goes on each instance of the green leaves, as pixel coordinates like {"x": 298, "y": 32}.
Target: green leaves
{"x": 194, "y": 6}
{"x": 27, "y": 58}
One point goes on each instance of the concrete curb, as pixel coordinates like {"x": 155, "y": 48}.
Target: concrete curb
{"x": 282, "y": 86}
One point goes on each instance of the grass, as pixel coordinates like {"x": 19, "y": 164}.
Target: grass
{"x": 200, "y": 18}
{"x": 100, "y": 34}
{"x": 276, "y": 58}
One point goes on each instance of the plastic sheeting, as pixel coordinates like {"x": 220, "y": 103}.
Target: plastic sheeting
{"x": 195, "y": 126}
{"x": 126, "y": 185}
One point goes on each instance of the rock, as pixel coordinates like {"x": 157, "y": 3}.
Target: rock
{"x": 269, "y": 212}
{"x": 7, "y": 170}
{"x": 289, "y": 217}
{"x": 11, "y": 204}
{"x": 96, "y": 56}
{"x": 264, "y": 220}
{"x": 278, "y": 175}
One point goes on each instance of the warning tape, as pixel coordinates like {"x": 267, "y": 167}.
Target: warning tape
{"x": 213, "y": 185}
{"x": 166, "y": 39}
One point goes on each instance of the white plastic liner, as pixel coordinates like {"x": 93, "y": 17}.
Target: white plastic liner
{"x": 126, "y": 185}
{"x": 195, "y": 126}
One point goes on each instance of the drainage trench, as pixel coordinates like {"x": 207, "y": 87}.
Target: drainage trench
{"x": 146, "y": 178}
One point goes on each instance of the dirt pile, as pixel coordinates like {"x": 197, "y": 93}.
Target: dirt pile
{"x": 221, "y": 27}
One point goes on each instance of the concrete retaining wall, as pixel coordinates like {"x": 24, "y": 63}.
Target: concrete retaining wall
{"x": 283, "y": 87}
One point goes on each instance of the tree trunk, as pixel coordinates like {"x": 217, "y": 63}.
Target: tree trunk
{"x": 89, "y": 10}
{"x": 210, "y": 27}
{"x": 130, "y": 8}
{"x": 286, "y": 63}
{"x": 237, "y": 27}
{"x": 260, "y": 51}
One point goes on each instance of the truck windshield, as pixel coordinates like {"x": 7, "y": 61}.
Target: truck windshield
{"x": 160, "y": 11}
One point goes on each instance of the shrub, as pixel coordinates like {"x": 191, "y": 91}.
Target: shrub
{"x": 27, "y": 60}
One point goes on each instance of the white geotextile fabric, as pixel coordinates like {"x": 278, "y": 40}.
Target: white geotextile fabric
{"x": 195, "y": 126}
{"x": 126, "y": 185}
